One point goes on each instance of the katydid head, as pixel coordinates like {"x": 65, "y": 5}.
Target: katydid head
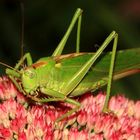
{"x": 29, "y": 80}
{"x": 37, "y": 73}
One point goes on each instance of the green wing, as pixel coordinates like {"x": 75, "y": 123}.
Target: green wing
{"x": 127, "y": 62}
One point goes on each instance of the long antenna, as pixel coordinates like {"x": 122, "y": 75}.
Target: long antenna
{"x": 9, "y": 66}
{"x": 22, "y": 27}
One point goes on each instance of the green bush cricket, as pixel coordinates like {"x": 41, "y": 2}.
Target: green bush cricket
{"x": 61, "y": 77}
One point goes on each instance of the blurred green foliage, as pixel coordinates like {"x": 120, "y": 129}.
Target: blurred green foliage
{"x": 46, "y": 22}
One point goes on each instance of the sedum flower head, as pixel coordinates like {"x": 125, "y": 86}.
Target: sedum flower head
{"x": 25, "y": 120}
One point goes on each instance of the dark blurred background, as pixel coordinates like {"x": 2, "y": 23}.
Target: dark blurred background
{"x": 46, "y": 22}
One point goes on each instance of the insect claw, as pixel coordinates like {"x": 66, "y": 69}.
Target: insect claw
{"x": 32, "y": 92}
{"x": 37, "y": 90}
{"x": 36, "y": 93}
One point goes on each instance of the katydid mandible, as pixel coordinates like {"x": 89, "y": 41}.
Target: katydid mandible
{"x": 48, "y": 77}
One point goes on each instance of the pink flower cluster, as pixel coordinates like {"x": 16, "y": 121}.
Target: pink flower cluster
{"x": 25, "y": 120}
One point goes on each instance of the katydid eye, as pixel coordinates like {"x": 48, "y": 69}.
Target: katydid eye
{"x": 30, "y": 74}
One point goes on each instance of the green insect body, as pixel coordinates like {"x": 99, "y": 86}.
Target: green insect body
{"x": 61, "y": 77}
{"x": 58, "y": 71}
